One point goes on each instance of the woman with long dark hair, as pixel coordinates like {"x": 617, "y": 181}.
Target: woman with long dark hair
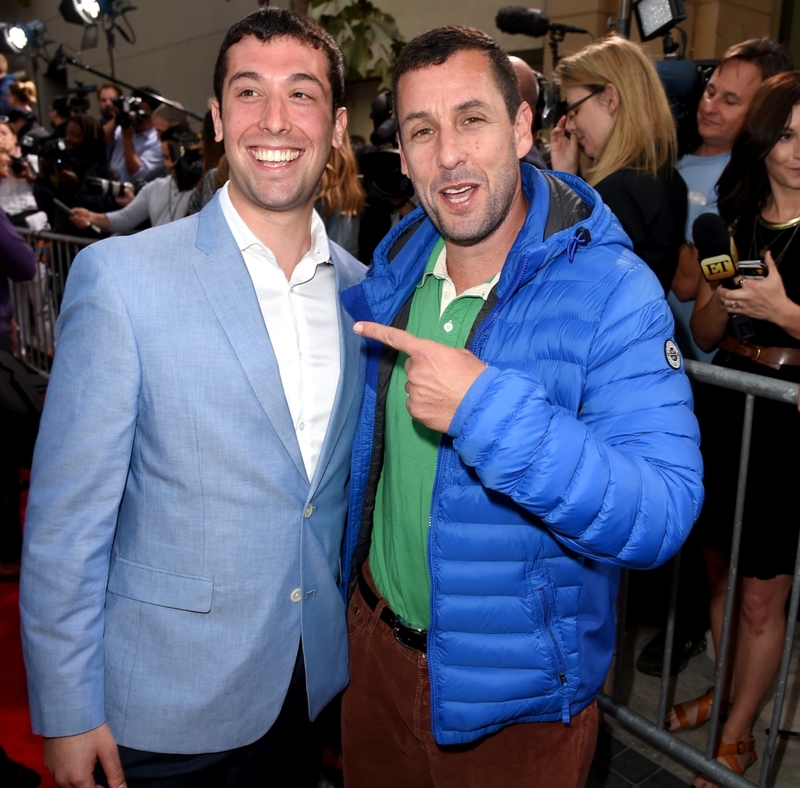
{"x": 759, "y": 199}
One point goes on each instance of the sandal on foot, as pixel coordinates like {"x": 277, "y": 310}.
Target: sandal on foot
{"x": 738, "y": 757}
{"x": 702, "y": 707}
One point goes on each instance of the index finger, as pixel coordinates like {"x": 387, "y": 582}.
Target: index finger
{"x": 394, "y": 337}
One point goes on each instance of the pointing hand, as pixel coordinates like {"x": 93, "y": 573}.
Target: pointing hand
{"x": 438, "y": 376}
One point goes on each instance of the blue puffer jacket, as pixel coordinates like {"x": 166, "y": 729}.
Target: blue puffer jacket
{"x": 574, "y": 453}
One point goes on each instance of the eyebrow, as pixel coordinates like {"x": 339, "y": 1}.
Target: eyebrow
{"x": 464, "y": 106}
{"x": 255, "y": 76}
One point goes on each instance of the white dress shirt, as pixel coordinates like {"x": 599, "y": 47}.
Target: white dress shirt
{"x": 302, "y": 320}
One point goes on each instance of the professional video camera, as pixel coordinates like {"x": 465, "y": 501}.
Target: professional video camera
{"x": 684, "y": 82}
{"x": 79, "y": 101}
{"x": 380, "y": 162}
{"x": 185, "y": 150}
{"x": 38, "y": 142}
{"x": 129, "y": 111}
{"x": 101, "y": 187}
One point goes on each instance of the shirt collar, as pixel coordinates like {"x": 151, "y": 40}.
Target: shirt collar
{"x": 439, "y": 271}
{"x": 319, "y": 251}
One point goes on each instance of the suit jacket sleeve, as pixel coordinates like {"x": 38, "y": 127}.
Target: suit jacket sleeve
{"x": 17, "y": 261}
{"x": 79, "y": 473}
{"x": 620, "y": 481}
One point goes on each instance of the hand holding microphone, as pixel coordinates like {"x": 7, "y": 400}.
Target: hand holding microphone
{"x": 718, "y": 262}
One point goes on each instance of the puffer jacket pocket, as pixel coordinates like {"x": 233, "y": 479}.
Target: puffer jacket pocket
{"x": 542, "y": 596}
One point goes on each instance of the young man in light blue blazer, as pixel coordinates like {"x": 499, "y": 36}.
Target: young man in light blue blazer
{"x": 181, "y": 617}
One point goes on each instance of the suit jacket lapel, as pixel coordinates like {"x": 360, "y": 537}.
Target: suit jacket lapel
{"x": 350, "y": 345}
{"x": 229, "y": 289}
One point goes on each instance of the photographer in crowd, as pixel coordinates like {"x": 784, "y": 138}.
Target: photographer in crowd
{"x": 135, "y": 152}
{"x": 161, "y": 201}
{"x": 17, "y": 174}
{"x": 64, "y": 167}
{"x": 59, "y": 115}
{"x": 617, "y": 113}
{"x": 107, "y": 93}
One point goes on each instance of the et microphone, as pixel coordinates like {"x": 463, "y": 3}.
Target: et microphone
{"x": 715, "y": 249}
{"x": 718, "y": 262}
{"x": 531, "y": 22}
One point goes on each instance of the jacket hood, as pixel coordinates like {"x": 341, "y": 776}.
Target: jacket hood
{"x": 564, "y": 216}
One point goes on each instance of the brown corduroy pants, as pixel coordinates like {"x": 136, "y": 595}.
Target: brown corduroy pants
{"x": 386, "y": 726}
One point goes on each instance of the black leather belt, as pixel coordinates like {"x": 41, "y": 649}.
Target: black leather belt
{"x": 410, "y": 637}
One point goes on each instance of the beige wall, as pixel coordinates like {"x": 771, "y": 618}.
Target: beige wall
{"x": 176, "y": 44}
{"x": 177, "y": 40}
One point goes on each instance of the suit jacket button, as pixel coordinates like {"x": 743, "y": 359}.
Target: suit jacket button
{"x": 296, "y": 595}
{"x": 308, "y": 510}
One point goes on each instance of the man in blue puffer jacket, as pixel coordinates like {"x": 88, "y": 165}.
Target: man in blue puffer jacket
{"x": 526, "y": 431}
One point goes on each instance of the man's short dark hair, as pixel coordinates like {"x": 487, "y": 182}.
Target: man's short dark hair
{"x": 144, "y": 93}
{"x": 109, "y": 86}
{"x": 60, "y": 106}
{"x": 271, "y": 23}
{"x": 437, "y": 46}
{"x": 767, "y": 56}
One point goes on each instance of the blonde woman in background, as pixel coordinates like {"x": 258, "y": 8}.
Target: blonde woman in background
{"x": 617, "y": 113}
{"x": 22, "y": 95}
{"x": 341, "y": 198}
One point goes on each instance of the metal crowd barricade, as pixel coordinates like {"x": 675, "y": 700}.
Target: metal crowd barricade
{"x": 38, "y": 302}
{"x": 654, "y": 732}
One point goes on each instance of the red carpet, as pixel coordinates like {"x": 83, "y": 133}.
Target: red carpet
{"x": 15, "y": 724}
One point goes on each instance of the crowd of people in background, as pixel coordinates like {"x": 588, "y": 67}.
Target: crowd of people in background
{"x": 617, "y": 133}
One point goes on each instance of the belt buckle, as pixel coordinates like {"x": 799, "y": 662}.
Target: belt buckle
{"x": 758, "y": 353}
{"x": 403, "y": 635}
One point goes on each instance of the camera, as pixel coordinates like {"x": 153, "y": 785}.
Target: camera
{"x": 18, "y": 165}
{"x": 380, "y": 162}
{"x": 185, "y": 151}
{"x": 99, "y": 187}
{"x": 130, "y": 111}
{"x": 39, "y": 143}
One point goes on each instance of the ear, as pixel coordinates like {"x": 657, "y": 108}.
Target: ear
{"x": 216, "y": 117}
{"x": 522, "y": 128}
{"x": 403, "y": 165}
{"x": 339, "y": 127}
{"x": 610, "y": 98}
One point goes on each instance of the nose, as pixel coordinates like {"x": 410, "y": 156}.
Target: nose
{"x": 709, "y": 104}
{"x": 570, "y": 124}
{"x": 451, "y": 152}
{"x": 274, "y": 116}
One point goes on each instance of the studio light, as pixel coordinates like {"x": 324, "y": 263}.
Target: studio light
{"x": 90, "y": 12}
{"x": 80, "y": 12}
{"x": 16, "y": 39}
{"x": 657, "y": 17}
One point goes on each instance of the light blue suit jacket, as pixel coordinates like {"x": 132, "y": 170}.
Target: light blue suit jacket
{"x": 171, "y": 525}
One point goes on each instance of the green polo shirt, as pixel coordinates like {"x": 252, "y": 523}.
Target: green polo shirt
{"x": 399, "y": 553}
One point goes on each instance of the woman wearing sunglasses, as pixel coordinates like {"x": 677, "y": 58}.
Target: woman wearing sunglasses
{"x": 617, "y": 113}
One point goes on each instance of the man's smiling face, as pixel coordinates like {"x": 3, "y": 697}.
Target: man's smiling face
{"x": 460, "y": 147}
{"x": 277, "y": 122}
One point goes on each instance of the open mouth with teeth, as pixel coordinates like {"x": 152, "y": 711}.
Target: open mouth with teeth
{"x": 458, "y": 194}
{"x": 274, "y": 156}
